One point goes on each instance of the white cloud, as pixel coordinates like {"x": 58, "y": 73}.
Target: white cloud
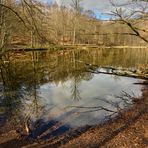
{"x": 104, "y": 6}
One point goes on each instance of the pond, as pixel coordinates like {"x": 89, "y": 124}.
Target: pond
{"x": 53, "y": 92}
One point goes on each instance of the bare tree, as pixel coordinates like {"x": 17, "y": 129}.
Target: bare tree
{"x": 25, "y": 15}
{"x": 77, "y": 11}
{"x": 134, "y": 19}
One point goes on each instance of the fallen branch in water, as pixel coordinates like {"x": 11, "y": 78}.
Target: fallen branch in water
{"x": 141, "y": 73}
{"x": 119, "y": 72}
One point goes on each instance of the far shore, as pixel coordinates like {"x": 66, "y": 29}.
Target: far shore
{"x": 71, "y": 47}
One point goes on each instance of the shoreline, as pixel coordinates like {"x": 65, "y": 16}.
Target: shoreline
{"x": 127, "y": 130}
{"x": 66, "y": 47}
{"x": 114, "y": 132}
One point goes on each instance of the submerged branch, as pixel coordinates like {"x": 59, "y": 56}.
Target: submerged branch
{"x": 97, "y": 108}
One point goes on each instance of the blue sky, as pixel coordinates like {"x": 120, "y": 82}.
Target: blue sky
{"x": 101, "y": 16}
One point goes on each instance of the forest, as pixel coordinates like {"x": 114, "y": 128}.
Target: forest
{"x": 30, "y": 23}
{"x": 73, "y": 76}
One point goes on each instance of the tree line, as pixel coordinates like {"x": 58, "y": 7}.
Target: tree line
{"x": 30, "y": 23}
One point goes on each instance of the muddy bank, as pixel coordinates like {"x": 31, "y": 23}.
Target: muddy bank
{"x": 129, "y": 129}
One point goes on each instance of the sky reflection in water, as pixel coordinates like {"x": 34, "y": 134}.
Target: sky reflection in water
{"x": 61, "y": 100}
{"x": 53, "y": 88}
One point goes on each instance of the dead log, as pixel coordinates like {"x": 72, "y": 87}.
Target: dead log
{"x": 119, "y": 72}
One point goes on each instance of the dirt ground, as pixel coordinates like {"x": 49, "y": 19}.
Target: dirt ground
{"x": 129, "y": 130}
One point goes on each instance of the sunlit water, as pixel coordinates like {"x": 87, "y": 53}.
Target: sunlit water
{"x": 54, "y": 89}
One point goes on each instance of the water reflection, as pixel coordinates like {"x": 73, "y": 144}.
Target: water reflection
{"x": 53, "y": 93}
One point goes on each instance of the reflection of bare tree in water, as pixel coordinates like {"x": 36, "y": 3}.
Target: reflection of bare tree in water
{"x": 124, "y": 101}
{"x": 78, "y": 76}
{"x": 34, "y": 108}
{"x": 75, "y": 92}
{"x": 11, "y": 92}
{"x": 14, "y": 92}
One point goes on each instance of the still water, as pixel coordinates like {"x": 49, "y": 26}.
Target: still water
{"x": 54, "y": 93}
